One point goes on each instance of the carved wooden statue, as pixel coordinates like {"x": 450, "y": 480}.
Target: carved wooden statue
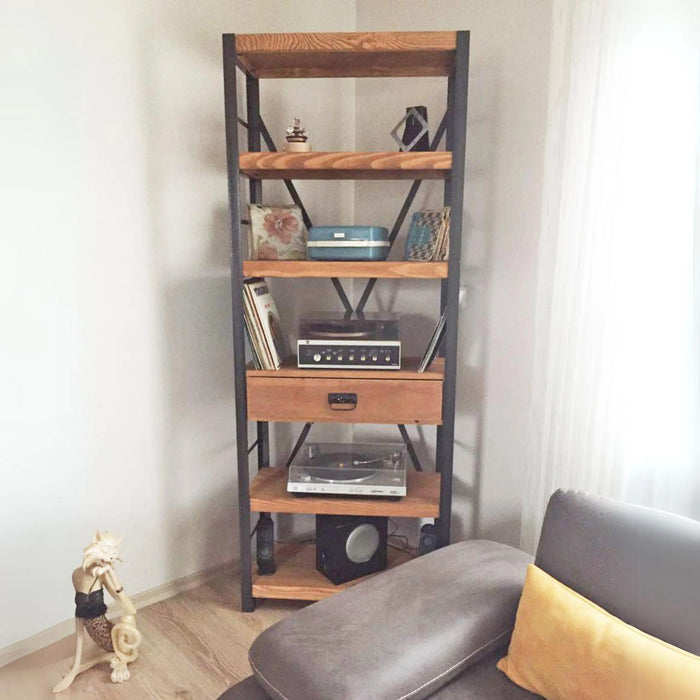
{"x": 120, "y": 640}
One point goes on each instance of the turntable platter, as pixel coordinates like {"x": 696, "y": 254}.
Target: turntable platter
{"x": 345, "y": 476}
{"x": 337, "y": 328}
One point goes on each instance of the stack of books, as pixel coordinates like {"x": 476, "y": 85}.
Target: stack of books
{"x": 268, "y": 343}
{"x": 434, "y": 344}
{"x": 429, "y": 235}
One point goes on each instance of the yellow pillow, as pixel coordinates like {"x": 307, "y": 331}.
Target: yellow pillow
{"x": 565, "y": 647}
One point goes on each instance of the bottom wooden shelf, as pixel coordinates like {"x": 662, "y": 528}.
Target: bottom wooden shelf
{"x": 296, "y": 577}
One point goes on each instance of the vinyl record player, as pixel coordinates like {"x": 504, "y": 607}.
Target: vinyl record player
{"x": 349, "y": 469}
{"x": 364, "y": 341}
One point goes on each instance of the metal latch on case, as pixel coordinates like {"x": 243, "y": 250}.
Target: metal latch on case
{"x": 342, "y": 402}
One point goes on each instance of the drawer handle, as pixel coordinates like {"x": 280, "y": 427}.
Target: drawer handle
{"x": 342, "y": 402}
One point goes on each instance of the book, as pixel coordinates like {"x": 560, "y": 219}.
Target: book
{"x": 428, "y": 235}
{"x": 265, "y": 328}
{"x": 434, "y": 343}
{"x": 276, "y": 233}
{"x": 252, "y": 322}
{"x": 253, "y": 350}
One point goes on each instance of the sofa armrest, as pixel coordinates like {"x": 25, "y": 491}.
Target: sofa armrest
{"x": 399, "y": 635}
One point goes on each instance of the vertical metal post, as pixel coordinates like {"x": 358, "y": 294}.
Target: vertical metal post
{"x": 252, "y": 88}
{"x": 457, "y": 134}
{"x": 231, "y": 118}
{"x": 447, "y": 201}
{"x": 447, "y": 189}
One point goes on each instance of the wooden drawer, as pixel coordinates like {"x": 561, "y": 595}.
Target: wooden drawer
{"x": 377, "y": 400}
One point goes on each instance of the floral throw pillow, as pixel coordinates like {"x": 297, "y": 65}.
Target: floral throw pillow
{"x": 276, "y": 233}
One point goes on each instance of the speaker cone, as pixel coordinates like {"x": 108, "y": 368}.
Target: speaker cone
{"x": 362, "y": 543}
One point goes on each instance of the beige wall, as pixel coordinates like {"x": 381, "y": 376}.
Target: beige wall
{"x": 506, "y": 125}
{"x": 116, "y": 372}
{"x": 116, "y": 386}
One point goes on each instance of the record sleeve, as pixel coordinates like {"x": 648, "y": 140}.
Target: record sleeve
{"x": 255, "y": 329}
{"x": 253, "y": 350}
{"x": 267, "y": 321}
{"x": 254, "y": 332}
{"x": 434, "y": 343}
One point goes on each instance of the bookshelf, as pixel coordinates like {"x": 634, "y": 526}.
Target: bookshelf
{"x": 268, "y": 494}
{"x": 404, "y": 397}
{"x": 397, "y": 269}
{"x": 346, "y": 166}
{"x": 297, "y": 579}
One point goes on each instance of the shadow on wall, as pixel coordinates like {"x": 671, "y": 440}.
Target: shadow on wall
{"x": 475, "y": 278}
{"x": 200, "y": 464}
{"x": 182, "y": 92}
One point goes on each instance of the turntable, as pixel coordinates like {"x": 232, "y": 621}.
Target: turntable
{"x": 363, "y": 341}
{"x": 349, "y": 469}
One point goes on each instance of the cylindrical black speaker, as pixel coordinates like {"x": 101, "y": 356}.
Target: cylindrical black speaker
{"x": 265, "y": 545}
{"x": 428, "y": 539}
{"x": 350, "y": 546}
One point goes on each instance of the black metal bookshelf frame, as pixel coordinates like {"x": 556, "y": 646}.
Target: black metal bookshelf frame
{"x": 454, "y": 127}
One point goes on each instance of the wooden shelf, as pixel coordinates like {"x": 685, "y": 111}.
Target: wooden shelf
{"x": 347, "y": 54}
{"x": 318, "y": 268}
{"x": 347, "y": 165}
{"x": 297, "y": 578}
{"x": 436, "y": 372}
{"x": 268, "y": 494}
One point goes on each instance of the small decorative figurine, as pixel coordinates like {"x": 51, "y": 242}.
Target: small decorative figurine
{"x": 120, "y": 641}
{"x": 415, "y": 136}
{"x": 297, "y": 138}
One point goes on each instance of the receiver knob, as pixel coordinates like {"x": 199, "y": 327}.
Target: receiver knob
{"x": 317, "y": 358}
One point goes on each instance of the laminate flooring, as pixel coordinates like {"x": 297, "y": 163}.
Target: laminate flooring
{"x": 195, "y": 645}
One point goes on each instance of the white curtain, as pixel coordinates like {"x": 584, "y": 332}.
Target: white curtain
{"x": 615, "y": 387}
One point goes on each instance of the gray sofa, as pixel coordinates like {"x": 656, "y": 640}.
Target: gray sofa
{"x": 436, "y": 626}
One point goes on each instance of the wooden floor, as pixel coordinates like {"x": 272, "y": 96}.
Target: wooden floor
{"x": 195, "y": 645}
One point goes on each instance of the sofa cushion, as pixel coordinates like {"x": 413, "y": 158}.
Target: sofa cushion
{"x": 401, "y": 634}
{"x": 564, "y": 646}
{"x": 248, "y": 689}
{"x": 483, "y": 681}
{"x": 640, "y": 565}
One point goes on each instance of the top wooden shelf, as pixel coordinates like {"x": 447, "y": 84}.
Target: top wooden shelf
{"x": 348, "y": 54}
{"x": 347, "y": 165}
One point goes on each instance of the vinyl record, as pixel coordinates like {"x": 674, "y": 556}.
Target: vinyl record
{"x": 344, "y": 328}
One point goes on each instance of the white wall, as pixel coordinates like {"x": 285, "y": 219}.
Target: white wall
{"x": 505, "y": 147}
{"x": 116, "y": 406}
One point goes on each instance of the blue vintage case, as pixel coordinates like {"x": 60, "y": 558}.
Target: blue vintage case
{"x": 348, "y": 243}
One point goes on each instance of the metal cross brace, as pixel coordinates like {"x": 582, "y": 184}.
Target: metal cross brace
{"x": 307, "y": 220}
{"x": 415, "y": 186}
{"x": 369, "y": 287}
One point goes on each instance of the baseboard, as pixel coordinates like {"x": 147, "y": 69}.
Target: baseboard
{"x": 141, "y": 600}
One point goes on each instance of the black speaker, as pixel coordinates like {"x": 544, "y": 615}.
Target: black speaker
{"x": 428, "y": 539}
{"x": 350, "y": 546}
{"x": 265, "y": 545}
